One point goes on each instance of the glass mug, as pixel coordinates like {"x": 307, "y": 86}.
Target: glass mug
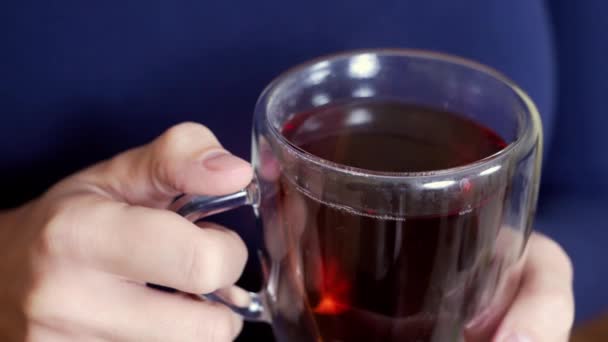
{"x": 365, "y": 255}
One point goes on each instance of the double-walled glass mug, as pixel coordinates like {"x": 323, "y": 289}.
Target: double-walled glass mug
{"x": 359, "y": 248}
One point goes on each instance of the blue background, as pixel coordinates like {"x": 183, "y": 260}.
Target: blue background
{"x": 83, "y": 80}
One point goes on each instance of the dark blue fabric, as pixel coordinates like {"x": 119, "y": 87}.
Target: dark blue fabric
{"x": 575, "y": 194}
{"x": 579, "y": 160}
{"x": 80, "y": 81}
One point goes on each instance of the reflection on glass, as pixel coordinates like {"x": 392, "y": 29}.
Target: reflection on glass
{"x": 359, "y": 116}
{"x": 363, "y": 66}
{"x": 364, "y": 91}
{"x": 439, "y": 184}
{"x": 490, "y": 170}
{"x": 320, "y": 99}
{"x": 318, "y": 76}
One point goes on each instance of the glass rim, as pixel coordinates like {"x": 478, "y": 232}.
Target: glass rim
{"x": 530, "y": 121}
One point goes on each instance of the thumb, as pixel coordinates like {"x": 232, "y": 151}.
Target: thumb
{"x": 187, "y": 158}
{"x": 544, "y": 307}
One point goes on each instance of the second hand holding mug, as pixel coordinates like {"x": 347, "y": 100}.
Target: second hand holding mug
{"x": 359, "y": 249}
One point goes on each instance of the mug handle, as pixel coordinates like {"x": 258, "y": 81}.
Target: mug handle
{"x": 194, "y": 208}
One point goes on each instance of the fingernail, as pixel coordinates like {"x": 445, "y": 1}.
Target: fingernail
{"x": 222, "y": 161}
{"x": 516, "y": 338}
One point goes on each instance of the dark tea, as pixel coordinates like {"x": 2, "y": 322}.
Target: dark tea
{"x": 373, "y": 278}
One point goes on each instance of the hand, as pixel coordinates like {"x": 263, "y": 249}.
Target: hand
{"x": 79, "y": 256}
{"x": 543, "y": 310}
{"x": 543, "y": 306}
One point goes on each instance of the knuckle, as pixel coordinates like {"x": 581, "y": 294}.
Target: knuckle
{"x": 207, "y": 265}
{"x": 166, "y": 145}
{"x": 178, "y": 145}
{"x": 201, "y": 268}
{"x": 184, "y": 133}
{"x": 63, "y": 232}
{"x": 60, "y": 225}
{"x": 226, "y": 241}
{"x": 164, "y": 171}
{"x": 240, "y": 253}
{"x": 238, "y": 249}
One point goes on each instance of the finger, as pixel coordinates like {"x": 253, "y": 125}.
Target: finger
{"x": 39, "y": 333}
{"x": 147, "y": 245}
{"x": 93, "y": 306}
{"x": 187, "y": 158}
{"x": 543, "y": 310}
{"x": 175, "y": 318}
{"x": 235, "y": 296}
